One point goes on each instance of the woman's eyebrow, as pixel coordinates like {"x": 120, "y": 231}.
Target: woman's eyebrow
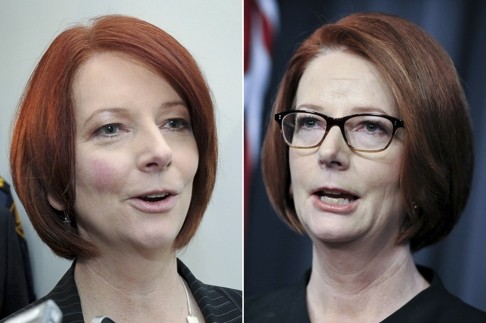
{"x": 124, "y": 111}
{"x": 355, "y": 109}
{"x": 171, "y": 104}
{"x": 111, "y": 110}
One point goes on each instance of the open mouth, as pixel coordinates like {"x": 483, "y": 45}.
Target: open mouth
{"x": 154, "y": 197}
{"x": 336, "y": 197}
{"x": 154, "y": 202}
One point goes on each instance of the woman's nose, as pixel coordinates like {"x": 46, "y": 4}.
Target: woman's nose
{"x": 155, "y": 153}
{"x": 334, "y": 151}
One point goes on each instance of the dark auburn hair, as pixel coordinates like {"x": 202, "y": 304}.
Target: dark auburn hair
{"x": 43, "y": 141}
{"x": 438, "y": 158}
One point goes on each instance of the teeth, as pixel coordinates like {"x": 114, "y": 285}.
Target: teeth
{"x": 331, "y": 193}
{"x": 156, "y": 196}
{"x": 336, "y": 201}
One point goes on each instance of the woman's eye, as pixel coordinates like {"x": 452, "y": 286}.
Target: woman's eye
{"x": 178, "y": 124}
{"x": 372, "y": 127}
{"x": 108, "y": 130}
{"x": 308, "y": 123}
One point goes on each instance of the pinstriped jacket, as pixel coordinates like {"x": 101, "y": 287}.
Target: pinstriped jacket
{"x": 218, "y": 304}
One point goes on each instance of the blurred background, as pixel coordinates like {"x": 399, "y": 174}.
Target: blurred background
{"x": 212, "y": 31}
{"x": 275, "y": 256}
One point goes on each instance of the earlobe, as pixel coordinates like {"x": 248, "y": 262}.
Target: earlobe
{"x": 55, "y": 203}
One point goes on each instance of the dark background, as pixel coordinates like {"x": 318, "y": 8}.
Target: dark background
{"x": 274, "y": 255}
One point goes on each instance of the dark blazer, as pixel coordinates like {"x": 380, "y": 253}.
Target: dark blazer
{"x": 434, "y": 304}
{"x": 13, "y": 283}
{"x": 218, "y": 304}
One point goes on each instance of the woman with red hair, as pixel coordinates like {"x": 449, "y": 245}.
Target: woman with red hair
{"x": 370, "y": 155}
{"x": 113, "y": 156}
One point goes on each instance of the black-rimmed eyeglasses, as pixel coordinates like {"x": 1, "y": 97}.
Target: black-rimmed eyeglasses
{"x": 362, "y": 132}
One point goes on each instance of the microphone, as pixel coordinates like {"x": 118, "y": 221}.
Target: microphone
{"x": 102, "y": 319}
{"x": 45, "y": 312}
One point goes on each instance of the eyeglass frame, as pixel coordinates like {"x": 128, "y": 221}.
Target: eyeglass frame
{"x": 331, "y": 122}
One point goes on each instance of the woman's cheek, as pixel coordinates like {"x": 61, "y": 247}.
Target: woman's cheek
{"x": 100, "y": 174}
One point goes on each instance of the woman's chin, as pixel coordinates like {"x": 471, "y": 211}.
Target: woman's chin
{"x": 156, "y": 242}
{"x": 333, "y": 234}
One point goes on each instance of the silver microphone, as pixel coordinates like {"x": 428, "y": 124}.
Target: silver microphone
{"x": 102, "y": 319}
{"x": 45, "y": 312}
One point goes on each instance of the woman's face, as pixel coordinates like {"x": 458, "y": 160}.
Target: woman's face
{"x": 342, "y": 196}
{"x": 136, "y": 155}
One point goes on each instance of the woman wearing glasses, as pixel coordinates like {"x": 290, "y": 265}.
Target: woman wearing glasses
{"x": 370, "y": 156}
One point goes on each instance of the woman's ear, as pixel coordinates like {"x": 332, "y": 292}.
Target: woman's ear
{"x": 55, "y": 203}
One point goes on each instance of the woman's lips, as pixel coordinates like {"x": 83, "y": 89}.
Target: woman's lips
{"x": 154, "y": 203}
{"x": 335, "y": 201}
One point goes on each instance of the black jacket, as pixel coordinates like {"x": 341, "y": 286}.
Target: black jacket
{"x": 218, "y": 304}
{"x": 13, "y": 283}
{"x": 434, "y": 304}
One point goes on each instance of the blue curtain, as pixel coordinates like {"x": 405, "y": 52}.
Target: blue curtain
{"x": 274, "y": 255}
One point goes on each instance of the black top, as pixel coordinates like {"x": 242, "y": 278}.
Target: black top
{"x": 217, "y": 304}
{"x": 434, "y": 304}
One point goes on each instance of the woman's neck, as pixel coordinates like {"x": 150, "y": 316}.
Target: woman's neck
{"x": 130, "y": 289}
{"x": 359, "y": 285}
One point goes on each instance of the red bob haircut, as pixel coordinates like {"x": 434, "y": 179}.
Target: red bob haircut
{"x": 438, "y": 158}
{"x": 42, "y": 153}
